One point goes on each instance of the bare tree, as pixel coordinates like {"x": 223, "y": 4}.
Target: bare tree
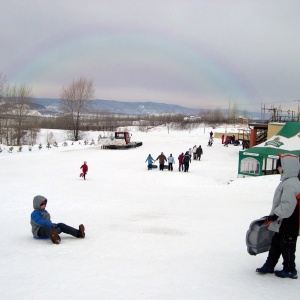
{"x": 2, "y": 85}
{"x": 75, "y": 101}
{"x": 233, "y": 114}
{"x": 2, "y": 104}
{"x": 19, "y": 100}
{"x": 217, "y": 115}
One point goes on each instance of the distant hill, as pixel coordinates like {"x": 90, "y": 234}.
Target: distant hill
{"x": 119, "y": 107}
{"x": 48, "y": 106}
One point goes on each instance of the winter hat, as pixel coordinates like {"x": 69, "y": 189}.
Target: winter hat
{"x": 38, "y": 200}
{"x": 290, "y": 165}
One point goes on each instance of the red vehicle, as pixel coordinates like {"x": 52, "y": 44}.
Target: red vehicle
{"x": 121, "y": 141}
{"x": 123, "y": 135}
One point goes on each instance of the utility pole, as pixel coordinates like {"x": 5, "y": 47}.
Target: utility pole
{"x": 273, "y": 109}
{"x": 298, "y": 111}
{"x": 229, "y": 109}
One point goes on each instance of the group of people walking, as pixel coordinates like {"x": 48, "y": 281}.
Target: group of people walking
{"x": 184, "y": 159}
{"x": 161, "y": 160}
{"x": 197, "y": 152}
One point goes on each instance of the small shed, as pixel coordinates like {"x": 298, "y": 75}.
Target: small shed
{"x": 261, "y": 159}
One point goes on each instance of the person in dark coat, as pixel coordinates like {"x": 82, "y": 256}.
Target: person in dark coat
{"x": 186, "y": 161}
{"x": 161, "y": 159}
{"x": 199, "y": 152}
{"x": 284, "y": 219}
{"x": 244, "y": 144}
{"x": 180, "y": 161}
{"x": 222, "y": 139}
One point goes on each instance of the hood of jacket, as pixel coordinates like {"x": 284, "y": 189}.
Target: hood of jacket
{"x": 290, "y": 166}
{"x": 37, "y": 200}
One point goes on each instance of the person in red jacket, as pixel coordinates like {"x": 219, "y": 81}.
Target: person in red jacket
{"x": 84, "y": 168}
{"x": 180, "y": 160}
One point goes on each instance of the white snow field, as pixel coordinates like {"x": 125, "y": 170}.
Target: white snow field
{"x": 149, "y": 234}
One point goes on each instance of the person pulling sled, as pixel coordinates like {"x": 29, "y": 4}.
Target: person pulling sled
{"x": 284, "y": 219}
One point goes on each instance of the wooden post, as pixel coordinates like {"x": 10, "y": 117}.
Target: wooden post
{"x": 252, "y": 141}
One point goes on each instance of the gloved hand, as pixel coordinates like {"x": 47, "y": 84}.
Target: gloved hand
{"x": 270, "y": 219}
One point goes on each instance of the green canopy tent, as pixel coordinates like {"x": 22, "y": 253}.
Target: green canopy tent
{"x": 261, "y": 159}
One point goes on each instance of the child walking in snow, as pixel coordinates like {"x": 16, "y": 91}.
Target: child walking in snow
{"x": 84, "y": 168}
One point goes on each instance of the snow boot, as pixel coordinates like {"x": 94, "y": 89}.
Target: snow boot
{"x": 81, "y": 233}
{"x": 54, "y": 236}
{"x": 265, "y": 269}
{"x": 284, "y": 274}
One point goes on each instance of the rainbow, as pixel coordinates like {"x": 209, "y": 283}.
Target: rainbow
{"x": 130, "y": 59}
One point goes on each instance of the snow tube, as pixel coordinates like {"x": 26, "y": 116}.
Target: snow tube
{"x": 258, "y": 237}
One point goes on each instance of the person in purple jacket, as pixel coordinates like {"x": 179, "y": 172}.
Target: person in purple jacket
{"x": 42, "y": 227}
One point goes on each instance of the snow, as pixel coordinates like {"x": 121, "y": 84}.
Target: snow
{"x": 149, "y": 234}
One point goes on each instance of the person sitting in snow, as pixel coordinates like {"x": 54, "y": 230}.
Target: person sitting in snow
{"x": 42, "y": 227}
{"x": 150, "y": 160}
{"x": 284, "y": 219}
{"x": 84, "y": 168}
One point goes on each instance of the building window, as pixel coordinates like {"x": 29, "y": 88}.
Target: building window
{"x": 250, "y": 165}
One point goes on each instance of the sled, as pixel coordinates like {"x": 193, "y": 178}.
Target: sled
{"x": 258, "y": 237}
{"x": 152, "y": 166}
{"x": 81, "y": 174}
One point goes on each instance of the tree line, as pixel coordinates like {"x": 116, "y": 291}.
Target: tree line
{"x": 19, "y": 125}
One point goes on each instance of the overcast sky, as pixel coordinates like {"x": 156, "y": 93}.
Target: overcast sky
{"x": 192, "y": 53}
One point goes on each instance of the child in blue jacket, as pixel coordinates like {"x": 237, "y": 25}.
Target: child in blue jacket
{"x": 43, "y": 227}
{"x": 150, "y": 161}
